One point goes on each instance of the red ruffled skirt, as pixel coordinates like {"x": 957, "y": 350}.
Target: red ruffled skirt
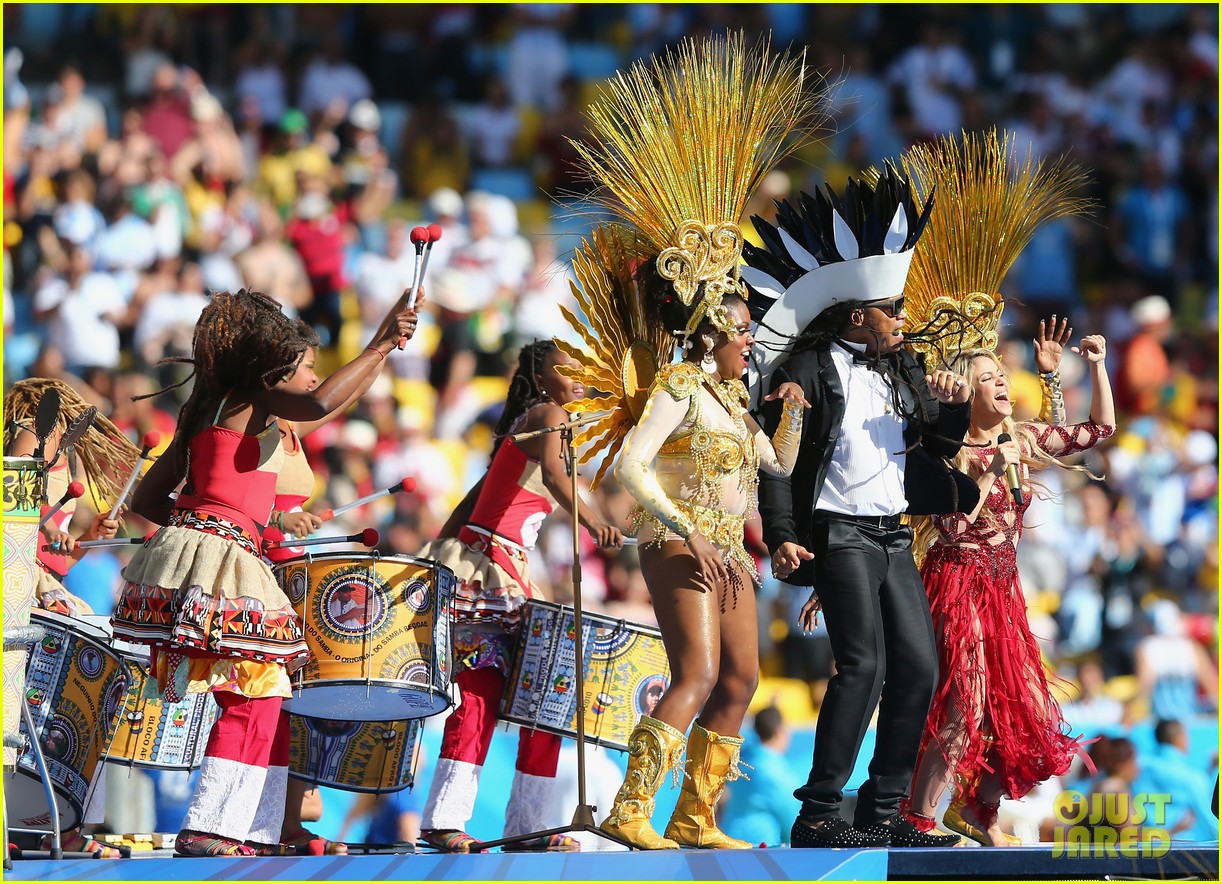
{"x": 990, "y": 667}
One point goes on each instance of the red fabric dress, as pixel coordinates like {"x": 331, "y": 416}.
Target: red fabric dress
{"x": 989, "y": 663}
{"x": 198, "y": 586}
{"x": 489, "y": 558}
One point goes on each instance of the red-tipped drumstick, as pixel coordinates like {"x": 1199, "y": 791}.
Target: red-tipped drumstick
{"x": 408, "y": 485}
{"x": 419, "y": 237}
{"x": 148, "y": 443}
{"x": 368, "y": 537}
{"x": 75, "y": 490}
{"x": 434, "y": 231}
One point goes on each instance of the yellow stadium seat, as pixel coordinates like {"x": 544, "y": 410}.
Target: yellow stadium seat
{"x": 490, "y": 390}
{"x": 790, "y": 695}
{"x": 1121, "y": 687}
{"x": 415, "y": 393}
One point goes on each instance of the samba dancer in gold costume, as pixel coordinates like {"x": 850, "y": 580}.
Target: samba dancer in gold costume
{"x": 680, "y": 145}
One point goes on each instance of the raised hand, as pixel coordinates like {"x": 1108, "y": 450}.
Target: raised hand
{"x": 1049, "y": 344}
{"x": 1092, "y": 348}
{"x": 401, "y": 328}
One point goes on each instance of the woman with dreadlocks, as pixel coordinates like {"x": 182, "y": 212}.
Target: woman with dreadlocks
{"x": 994, "y": 727}
{"x": 100, "y": 458}
{"x": 198, "y": 592}
{"x": 485, "y": 543}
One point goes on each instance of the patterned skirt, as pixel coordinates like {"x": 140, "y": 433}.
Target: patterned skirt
{"x": 211, "y": 609}
{"x": 492, "y": 585}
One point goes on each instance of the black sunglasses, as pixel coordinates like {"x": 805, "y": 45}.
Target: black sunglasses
{"x": 891, "y": 308}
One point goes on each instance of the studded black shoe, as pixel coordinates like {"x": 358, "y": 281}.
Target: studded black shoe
{"x": 902, "y": 833}
{"x": 833, "y": 832}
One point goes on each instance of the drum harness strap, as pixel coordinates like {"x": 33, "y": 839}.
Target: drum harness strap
{"x": 498, "y": 538}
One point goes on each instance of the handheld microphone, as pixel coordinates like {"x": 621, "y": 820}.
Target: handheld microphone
{"x": 1016, "y": 487}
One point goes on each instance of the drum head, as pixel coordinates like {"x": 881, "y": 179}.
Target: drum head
{"x": 360, "y": 701}
{"x": 26, "y": 800}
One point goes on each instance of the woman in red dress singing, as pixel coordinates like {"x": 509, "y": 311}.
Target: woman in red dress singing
{"x": 198, "y": 592}
{"x": 993, "y": 726}
{"x": 485, "y": 543}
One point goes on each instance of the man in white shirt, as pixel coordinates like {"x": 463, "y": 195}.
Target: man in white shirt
{"x": 871, "y": 444}
{"x": 82, "y": 312}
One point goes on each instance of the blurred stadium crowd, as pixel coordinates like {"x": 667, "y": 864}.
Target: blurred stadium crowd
{"x": 152, "y": 153}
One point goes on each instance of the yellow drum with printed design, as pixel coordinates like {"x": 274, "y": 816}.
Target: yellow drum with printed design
{"x": 355, "y": 756}
{"x": 75, "y": 683}
{"x": 625, "y": 669}
{"x": 151, "y": 733}
{"x": 378, "y": 630}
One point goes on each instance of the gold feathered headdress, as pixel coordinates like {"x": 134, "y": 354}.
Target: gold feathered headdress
{"x": 681, "y": 142}
{"x": 990, "y": 203}
{"x": 679, "y": 145}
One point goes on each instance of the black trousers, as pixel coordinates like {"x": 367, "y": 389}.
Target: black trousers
{"x": 883, "y": 640}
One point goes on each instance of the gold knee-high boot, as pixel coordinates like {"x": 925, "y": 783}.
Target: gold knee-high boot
{"x": 712, "y": 760}
{"x": 654, "y": 748}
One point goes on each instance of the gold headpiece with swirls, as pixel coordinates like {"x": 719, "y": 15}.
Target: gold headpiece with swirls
{"x": 991, "y": 201}
{"x": 681, "y": 142}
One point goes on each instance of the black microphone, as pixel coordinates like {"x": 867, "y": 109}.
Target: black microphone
{"x": 1016, "y": 487}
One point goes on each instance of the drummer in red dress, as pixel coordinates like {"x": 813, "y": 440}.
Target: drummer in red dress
{"x": 198, "y": 591}
{"x": 486, "y": 543}
{"x": 101, "y": 459}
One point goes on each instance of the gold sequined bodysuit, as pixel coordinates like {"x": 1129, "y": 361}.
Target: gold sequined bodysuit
{"x": 692, "y": 461}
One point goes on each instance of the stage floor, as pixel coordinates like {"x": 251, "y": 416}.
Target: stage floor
{"x": 1199, "y": 862}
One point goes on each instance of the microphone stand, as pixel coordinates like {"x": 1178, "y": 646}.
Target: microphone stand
{"x": 583, "y": 816}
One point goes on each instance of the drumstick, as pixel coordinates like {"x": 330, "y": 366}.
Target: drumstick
{"x": 75, "y": 490}
{"x": 434, "y": 232}
{"x": 114, "y": 541}
{"x": 419, "y": 237}
{"x": 368, "y": 537}
{"x": 408, "y": 485}
{"x": 109, "y": 541}
{"x": 150, "y": 440}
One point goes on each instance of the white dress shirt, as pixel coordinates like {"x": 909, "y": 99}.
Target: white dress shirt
{"x": 866, "y": 475}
